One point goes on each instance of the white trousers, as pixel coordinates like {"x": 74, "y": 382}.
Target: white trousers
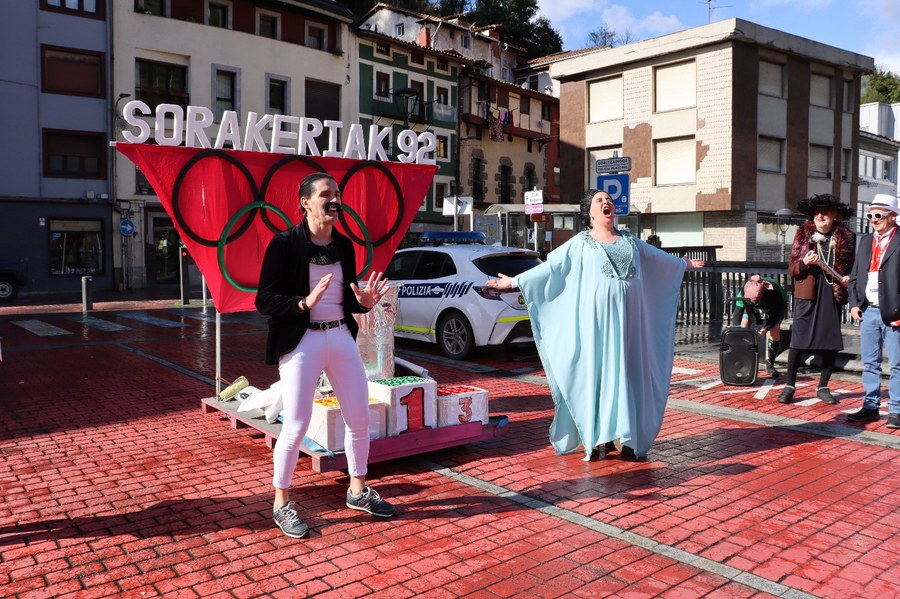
{"x": 335, "y": 352}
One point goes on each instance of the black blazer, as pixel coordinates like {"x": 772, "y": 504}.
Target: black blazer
{"x": 888, "y": 278}
{"x": 284, "y": 281}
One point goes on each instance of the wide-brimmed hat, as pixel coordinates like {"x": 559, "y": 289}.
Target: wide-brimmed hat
{"x": 886, "y": 201}
{"x": 808, "y": 206}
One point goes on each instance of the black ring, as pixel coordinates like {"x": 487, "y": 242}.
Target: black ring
{"x": 397, "y": 189}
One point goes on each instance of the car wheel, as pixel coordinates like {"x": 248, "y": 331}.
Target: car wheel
{"x": 455, "y": 336}
{"x": 8, "y": 289}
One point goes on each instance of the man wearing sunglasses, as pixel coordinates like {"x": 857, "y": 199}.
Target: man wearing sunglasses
{"x": 875, "y": 302}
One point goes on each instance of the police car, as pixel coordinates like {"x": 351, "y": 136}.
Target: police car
{"x": 443, "y": 298}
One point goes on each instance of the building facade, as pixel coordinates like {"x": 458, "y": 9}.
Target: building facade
{"x": 879, "y": 144}
{"x": 291, "y": 57}
{"x": 503, "y": 140}
{"x": 54, "y": 192}
{"x": 725, "y": 125}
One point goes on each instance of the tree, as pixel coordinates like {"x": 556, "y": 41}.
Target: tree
{"x": 881, "y": 86}
{"x": 605, "y": 35}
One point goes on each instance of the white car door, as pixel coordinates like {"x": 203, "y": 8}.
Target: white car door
{"x": 422, "y": 295}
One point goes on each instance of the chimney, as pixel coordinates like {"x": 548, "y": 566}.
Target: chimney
{"x": 425, "y": 36}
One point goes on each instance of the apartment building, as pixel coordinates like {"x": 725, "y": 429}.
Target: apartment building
{"x": 879, "y": 144}
{"x": 502, "y": 136}
{"x": 725, "y": 125}
{"x": 293, "y": 57}
{"x": 54, "y": 194}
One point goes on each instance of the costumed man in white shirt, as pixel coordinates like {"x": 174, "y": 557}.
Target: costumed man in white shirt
{"x": 875, "y": 302}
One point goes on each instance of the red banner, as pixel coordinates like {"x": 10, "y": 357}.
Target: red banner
{"x": 228, "y": 204}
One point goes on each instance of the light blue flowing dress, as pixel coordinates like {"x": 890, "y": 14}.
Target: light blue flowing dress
{"x": 605, "y": 332}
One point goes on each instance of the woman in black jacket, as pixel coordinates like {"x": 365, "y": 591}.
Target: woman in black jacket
{"x": 308, "y": 290}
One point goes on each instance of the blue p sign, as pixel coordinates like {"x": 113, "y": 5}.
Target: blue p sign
{"x": 617, "y": 186}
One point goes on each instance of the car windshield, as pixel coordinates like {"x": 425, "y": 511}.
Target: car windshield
{"x": 509, "y": 264}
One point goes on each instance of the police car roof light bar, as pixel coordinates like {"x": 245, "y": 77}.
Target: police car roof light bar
{"x": 439, "y": 237}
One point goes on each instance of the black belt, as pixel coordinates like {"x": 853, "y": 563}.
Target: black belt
{"x": 324, "y": 326}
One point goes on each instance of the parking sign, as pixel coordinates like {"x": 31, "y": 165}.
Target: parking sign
{"x": 617, "y": 186}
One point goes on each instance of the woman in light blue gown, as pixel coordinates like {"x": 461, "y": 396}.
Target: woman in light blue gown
{"x": 602, "y": 309}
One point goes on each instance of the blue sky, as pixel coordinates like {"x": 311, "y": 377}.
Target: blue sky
{"x": 869, "y": 27}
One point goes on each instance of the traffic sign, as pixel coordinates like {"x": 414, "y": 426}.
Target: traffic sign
{"x": 126, "y": 227}
{"x": 534, "y": 208}
{"x": 617, "y": 186}
{"x": 534, "y": 197}
{"x": 613, "y": 165}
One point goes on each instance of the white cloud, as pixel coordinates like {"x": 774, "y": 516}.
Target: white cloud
{"x": 883, "y": 32}
{"x": 575, "y": 19}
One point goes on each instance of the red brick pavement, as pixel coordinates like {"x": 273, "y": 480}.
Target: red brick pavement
{"x": 116, "y": 485}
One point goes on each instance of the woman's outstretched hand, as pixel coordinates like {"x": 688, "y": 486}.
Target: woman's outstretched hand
{"x": 501, "y": 282}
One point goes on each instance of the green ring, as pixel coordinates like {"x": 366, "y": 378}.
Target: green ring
{"x": 220, "y": 252}
{"x": 370, "y": 249}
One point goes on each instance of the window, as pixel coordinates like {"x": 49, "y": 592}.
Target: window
{"x": 441, "y": 65}
{"x": 72, "y": 72}
{"x": 141, "y": 184}
{"x": 530, "y": 178}
{"x": 382, "y": 86}
{"x": 505, "y": 184}
{"x": 771, "y": 79}
{"x": 442, "y": 145}
{"x": 218, "y": 15}
{"x": 224, "y": 93}
{"x": 477, "y": 179}
{"x": 533, "y": 82}
{"x": 606, "y": 100}
{"x": 524, "y": 105}
{"x": 819, "y": 161}
{"x": 417, "y": 57}
{"x": 434, "y": 265}
{"x": 770, "y": 154}
{"x": 316, "y": 37}
{"x": 442, "y": 95}
{"x": 152, "y": 7}
{"x": 76, "y": 247}
{"x": 160, "y": 83}
{"x": 399, "y": 30}
{"x": 277, "y": 99}
{"x": 92, "y": 8}
{"x": 675, "y": 86}
{"x": 820, "y": 90}
{"x": 465, "y": 41}
{"x": 323, "y": 102}
{"x": 484, "y": 91}
{"x": 74, "y": 154}
{"x": 440, "y": 192}
{"x": 676, "y": 161}
{"x": 402, "y": 266}
{"x": 849, "y": 99}
{"x": 846, "y": 164}
{"x": 381, "y": 48}
{"x": 268, "y": 25}
{"x": 545, "y": 111}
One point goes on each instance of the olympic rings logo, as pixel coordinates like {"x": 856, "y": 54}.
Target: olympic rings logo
{"x": 258, "y": 205}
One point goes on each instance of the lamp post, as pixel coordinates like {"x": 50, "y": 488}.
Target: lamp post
{"x": 783, "y": 225}
{"x": 406, "y": 99}
{"x": 123, "y": 213}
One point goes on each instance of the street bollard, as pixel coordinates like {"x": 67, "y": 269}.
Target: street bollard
{"x": 87, "y": 294}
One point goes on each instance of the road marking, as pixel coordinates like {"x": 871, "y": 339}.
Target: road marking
{"x": 41, "y": 328}
{"x": 681, "y": 370}
{"x": 154, "y": 320}
{"x": 99, "y": 323}
{"x": 679, "y": 555}
{"x": 884, "y": 404}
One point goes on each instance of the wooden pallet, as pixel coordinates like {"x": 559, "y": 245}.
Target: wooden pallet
{"x": 380, "y": 450}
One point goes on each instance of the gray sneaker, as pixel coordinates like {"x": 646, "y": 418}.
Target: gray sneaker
{"x": 289, "y": 521}
{"x": 370, "y": 501}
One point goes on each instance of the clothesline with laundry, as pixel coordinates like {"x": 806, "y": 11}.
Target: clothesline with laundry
{"x": 497, "y": 118}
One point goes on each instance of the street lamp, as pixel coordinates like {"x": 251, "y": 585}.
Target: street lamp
{"x": 783, "y": 225}
{"x": 406, "y": 99}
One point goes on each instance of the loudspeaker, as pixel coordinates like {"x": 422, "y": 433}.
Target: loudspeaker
{"x": 739, "y": 356}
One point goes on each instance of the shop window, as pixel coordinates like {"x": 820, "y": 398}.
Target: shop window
{"x": 73, "y": 72}
{"x": 74, "y": 154}
{"x": 76, "y": 247}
